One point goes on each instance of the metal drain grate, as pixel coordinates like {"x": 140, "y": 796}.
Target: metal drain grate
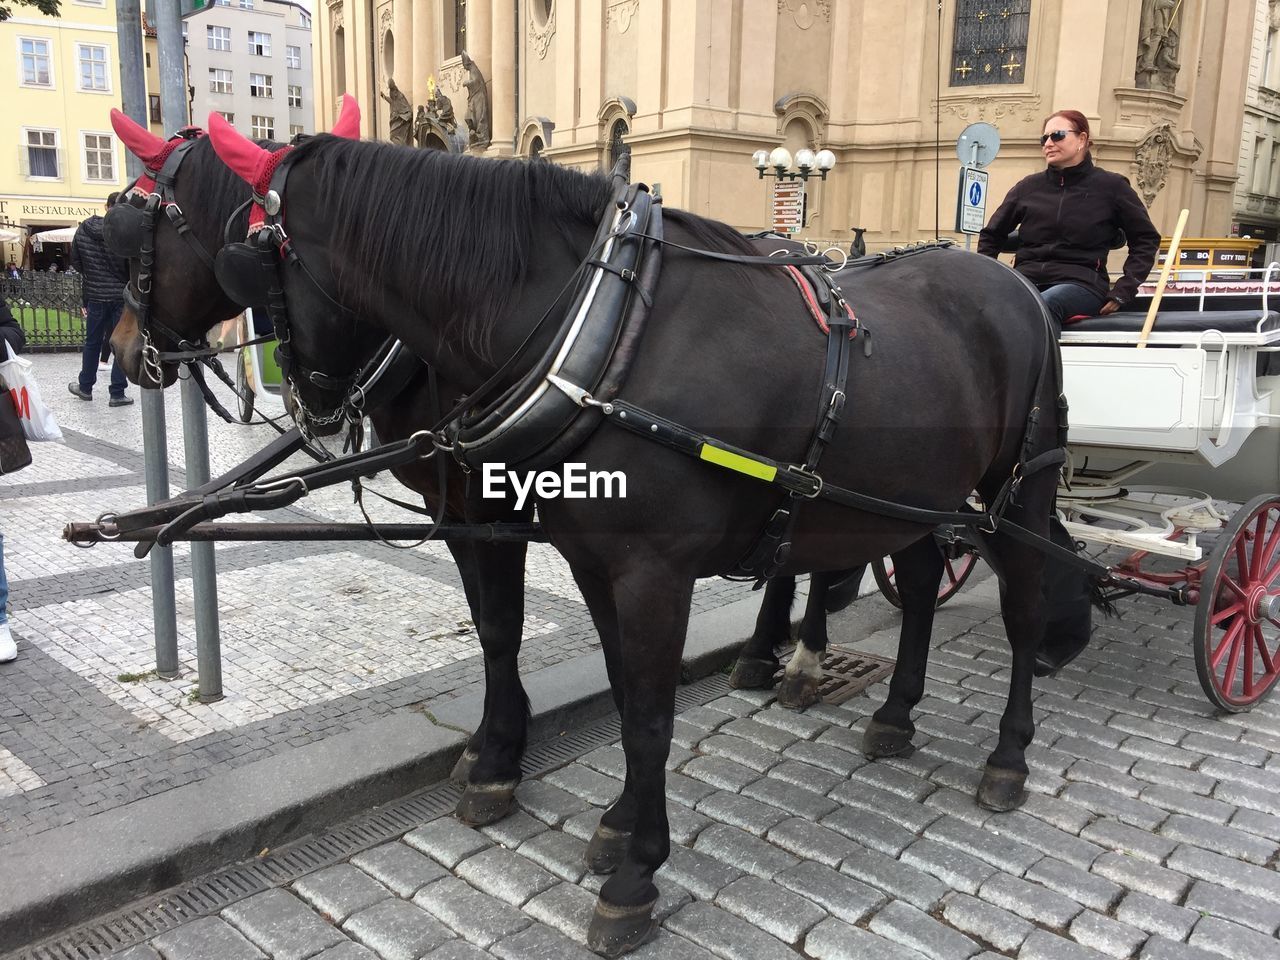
{"x": 216, "y": 891}
{"x": 846, "y": 673}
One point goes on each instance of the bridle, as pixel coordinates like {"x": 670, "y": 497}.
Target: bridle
{"x": 251, "y": 272}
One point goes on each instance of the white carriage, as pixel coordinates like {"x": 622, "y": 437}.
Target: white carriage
{"x": 1194, "y": 414}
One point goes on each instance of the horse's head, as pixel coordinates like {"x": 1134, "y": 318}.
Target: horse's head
{"x": 322, "y": 356}
{"x": 172, "y": 294}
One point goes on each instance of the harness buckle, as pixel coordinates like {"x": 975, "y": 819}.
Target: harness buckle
{"x": 810, "y": 479}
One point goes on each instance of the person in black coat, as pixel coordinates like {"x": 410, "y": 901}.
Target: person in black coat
{"x": 104, "y": 280}
{"x": 1066, "y": 218}
{"x": 11, "y": 334}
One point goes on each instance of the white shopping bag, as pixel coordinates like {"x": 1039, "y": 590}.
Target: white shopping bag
{"x": 37, "y": 419}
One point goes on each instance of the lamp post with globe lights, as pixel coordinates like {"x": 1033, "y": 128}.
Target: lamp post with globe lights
{"x": 789, "y": 199}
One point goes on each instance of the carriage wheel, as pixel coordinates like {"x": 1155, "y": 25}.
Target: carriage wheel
{"x": 954, "y": 575}
{"x": 243, "y": 389}
{"x": 1238, "y": 616}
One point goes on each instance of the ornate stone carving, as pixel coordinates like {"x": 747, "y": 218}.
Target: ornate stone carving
{"x": 540, "y": 34}
{"x": 1154, "y": 155}
{"x": 335, "y": 14}
{"x": 384, "y": 27}
{"x": 1158, "y": 36}
{"x": 1024, "y": 108}
{"x": 805, "y": 13}
{"x": 621, "y": 12}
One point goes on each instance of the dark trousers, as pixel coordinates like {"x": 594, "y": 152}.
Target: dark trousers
{"x": 1067, "y": 300}
{"x": 97, "y": 328}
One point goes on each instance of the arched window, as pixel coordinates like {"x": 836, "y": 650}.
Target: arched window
{"x": 535, "y": 148}
{"x": 617, "y": 143}
{"x": 455, "y": 26}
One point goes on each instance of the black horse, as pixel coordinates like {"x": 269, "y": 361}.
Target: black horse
{"x": 459, "y": 257}
{"x": 187, "y": 301}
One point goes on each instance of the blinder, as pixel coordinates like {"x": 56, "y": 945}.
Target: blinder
{"x": 122, "y": 230}
{"x": 241, "y": 274}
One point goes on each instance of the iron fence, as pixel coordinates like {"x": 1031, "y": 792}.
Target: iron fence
{"x": 47, "y": 306}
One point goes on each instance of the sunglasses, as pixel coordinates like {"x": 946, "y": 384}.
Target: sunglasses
{"x": 1057, "y": 136}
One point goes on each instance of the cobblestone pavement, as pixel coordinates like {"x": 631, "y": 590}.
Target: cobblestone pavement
{"x": 316, "y": 638}
{"x": 1151, "y": 830}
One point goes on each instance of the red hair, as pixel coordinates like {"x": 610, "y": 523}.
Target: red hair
{"x": 1079, "y": 122}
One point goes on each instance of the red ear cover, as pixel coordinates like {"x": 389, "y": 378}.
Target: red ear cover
{"x": 348, "y": 122}
{"x": 142, "y": 143}
{"x": 245, "y": 158}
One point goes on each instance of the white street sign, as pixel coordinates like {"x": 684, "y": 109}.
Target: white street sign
{"x": 971, "y": 208}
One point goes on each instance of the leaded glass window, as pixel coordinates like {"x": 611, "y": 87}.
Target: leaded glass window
{"x": 990, "y": 43}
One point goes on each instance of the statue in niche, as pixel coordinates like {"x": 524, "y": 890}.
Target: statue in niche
{"x": 1157, "y": 66}
{"x": 401, "y": 114}
{"x": 477, "y": 103}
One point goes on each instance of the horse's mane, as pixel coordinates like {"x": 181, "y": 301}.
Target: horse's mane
{"x": 458, "y": 229}
{"x": 210, "y": 185}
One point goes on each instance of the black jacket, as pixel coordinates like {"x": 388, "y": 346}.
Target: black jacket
{"x": 1067, "y": 219}
{"x": 10, "y": 332}
{"x": 104, "y": 275}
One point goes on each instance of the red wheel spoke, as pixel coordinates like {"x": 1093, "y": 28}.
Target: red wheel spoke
{"x": 1247, "y": 686}
{"x": 1233, "y": 661}
{"x": 1228, "y": 641}
{"x": 1233, "y": 586}
{"x": 1259, "y": 541}
{"x": 1269, "y": 550}
{"x": 1242, "y": 557}
{"x": 1232, "y": 611}
{"x": 1261, "y": 641}
{"x": 1269, "y": 577}
{"x": 951, "y": 573}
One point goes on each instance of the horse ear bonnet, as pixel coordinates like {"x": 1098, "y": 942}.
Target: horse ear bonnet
{"x": 122, "y": 230}
{"x": 240, "y": 273}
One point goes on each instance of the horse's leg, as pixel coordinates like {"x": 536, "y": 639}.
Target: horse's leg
{"x": 608, "y": 844}
{"x": 653, "y": 616}
{"x": 917, "y": 571}
{"x": 758, "y": 661}
{"x": 1021, "y": 568}
{"x": 803, "y": 678}
{"x": 493, "y": 580}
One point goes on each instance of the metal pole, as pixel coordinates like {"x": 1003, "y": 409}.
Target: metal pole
{"x": 133, "y": 99}
{"x": 133, "y": 81}
{"x": 156, "y": 465}
{"x": 195, "y": 428}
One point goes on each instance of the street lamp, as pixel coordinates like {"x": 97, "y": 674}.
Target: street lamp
{"x": 807, "y": 163}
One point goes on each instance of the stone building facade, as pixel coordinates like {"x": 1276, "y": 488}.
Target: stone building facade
{"x": 692, "y": 88}
{"x": 1257, "y": 195}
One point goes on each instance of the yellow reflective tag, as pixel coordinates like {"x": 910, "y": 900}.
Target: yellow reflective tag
{"x": 734, "y": 461}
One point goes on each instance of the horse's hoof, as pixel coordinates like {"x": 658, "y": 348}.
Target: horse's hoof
{"x": 606, "y": 849}
{"x": 462, "y": 769}
{"x": 618, "y": 930}
{"x": 796, "y": 693}
{"x": 750, "y": 673}
{"x": 1001, "y": 790}
{"x": 881, "y": 740}
{"x": 485, "y": 803}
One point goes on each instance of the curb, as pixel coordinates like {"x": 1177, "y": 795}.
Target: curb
{"x": 67, "y": 875}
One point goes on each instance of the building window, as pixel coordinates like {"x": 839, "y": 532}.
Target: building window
{"x": 147, "y": 58}
{"x": 455, "y": 26}
{"x": 263, "y": 128}
{"x": 617, "y": 144}
{"x": 1261, "y": 166}
{"x": 153, "y": 101}
{"x": 222, "y": 3}
{"x": 34, "y": 55}
{"x": 990, "y": 42}
{"x": 99, "y": 157}
{"x": 246, "y": 4}
{"x": 295, "y": 130}
{"x": 219, "y": 81}
{"x": 295, "y": 95}
{"x": 260, "y": 85}
{"x": 227, "y": 116}
{"x": 219, "y": 38}
{"x": 293, "y": 57}
{"x": 259, "y": 43}
{"x": 41, "y": 154}
{"x": 306, "y": 20}
{"x": 93, "y": 67}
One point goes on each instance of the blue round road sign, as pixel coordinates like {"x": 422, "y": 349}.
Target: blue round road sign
{"x": 975, "y": 193}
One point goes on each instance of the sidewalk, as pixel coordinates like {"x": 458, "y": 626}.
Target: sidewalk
{"x": 1152, "y": 829}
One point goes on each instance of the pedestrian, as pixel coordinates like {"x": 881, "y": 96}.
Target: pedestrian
{"x": 104, "y": 279}
{"x": 11, "y": 334}
{"x": 1067, "y": 217}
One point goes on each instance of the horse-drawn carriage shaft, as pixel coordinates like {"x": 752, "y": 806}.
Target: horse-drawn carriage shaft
{"x": 714, "y": 359}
